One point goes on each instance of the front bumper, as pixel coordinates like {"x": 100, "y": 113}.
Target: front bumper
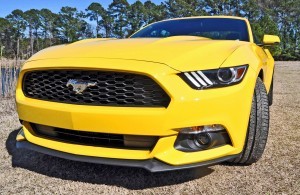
{"x": 151, "y": 165}
{"x": 229, "y": 106}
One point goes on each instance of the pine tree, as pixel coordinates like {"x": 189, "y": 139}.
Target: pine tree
{"x": 32, "y": 20}
{"x": 118, "y": 10}
{"x": 49, "y": 27}
{"x": 136, "y": 17}
{"x": 95, "y": 11}
{"x": 16, "y": 19}
{"x": 182, "y": 8}
{"x": 71, "y": 25}
{"x": 153, "y": 12}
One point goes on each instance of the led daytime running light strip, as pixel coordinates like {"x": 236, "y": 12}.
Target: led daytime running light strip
{"x": 198, "y": 79}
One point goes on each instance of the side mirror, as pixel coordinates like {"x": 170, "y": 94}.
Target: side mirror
{"x": 271, "y": 40}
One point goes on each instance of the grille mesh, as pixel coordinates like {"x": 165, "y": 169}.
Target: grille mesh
{"x": 94, "y": 138}
{"x": 112, "y": 88}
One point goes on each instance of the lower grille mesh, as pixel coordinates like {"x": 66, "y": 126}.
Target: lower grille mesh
{"x": 94, "y": 138}
{"x": 105, "y": 89}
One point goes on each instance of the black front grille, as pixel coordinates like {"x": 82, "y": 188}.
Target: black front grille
{"x": 107, "y": 88}
{"x": 94, "y": 138}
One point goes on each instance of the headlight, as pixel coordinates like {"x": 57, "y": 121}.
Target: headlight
{"x": 221, "y": 77}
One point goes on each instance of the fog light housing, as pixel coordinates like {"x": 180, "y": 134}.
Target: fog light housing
{"x": 205, "y": 128}
{"x": 198, "y": 138}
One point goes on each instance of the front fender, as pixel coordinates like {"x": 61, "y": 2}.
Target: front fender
{"x": 256, "y": 58}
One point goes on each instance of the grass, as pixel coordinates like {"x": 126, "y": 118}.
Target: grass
{"x": 9, "y": 72}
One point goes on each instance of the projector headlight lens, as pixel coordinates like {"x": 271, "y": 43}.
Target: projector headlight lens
{"x": 221, "y": 77}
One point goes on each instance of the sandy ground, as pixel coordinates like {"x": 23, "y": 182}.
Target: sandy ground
{"x": 278, "y": 172}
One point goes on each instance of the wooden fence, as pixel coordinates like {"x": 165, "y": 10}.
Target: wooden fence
{"x": 9, "y": 72}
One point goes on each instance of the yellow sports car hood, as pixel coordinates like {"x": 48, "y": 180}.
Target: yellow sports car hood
{"x": 183, "y": 53}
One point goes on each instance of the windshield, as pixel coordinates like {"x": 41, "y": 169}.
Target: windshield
{"x": 213, "y": 28}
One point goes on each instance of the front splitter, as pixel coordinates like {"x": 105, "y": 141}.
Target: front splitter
{"x": 152, "y": 165}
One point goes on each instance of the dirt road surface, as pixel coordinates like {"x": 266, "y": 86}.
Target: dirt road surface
{"x": 278, "y": 172}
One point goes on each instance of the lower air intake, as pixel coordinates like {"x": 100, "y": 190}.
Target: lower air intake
{"x": 94, "y": 138}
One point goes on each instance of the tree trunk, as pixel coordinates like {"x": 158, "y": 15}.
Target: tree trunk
{"x": 50, "y": 34}
{"x": 97, "y": 27}
{"x": 18, "y": 48}
{"x": 106, "y": 31}
{"x": 31, "y": 40}
{"x": 37, "y": 39}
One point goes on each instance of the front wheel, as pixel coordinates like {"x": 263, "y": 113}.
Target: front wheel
{"x": 258, "y": 127}
{"x": 270, "y": 94}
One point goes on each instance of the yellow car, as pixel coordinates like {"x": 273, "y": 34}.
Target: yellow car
{"x": 177, "y": 94}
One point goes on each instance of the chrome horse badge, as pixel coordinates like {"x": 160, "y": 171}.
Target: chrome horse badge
{"x": 79, "y": 86}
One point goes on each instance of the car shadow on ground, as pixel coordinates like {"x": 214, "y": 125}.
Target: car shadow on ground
{"x": 130, "y": 178}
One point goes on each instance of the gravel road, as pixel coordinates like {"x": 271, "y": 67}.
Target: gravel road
{"x": 278, "y": 172}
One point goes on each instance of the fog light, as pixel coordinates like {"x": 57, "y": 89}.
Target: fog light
{"x": 197, "y": 138}
{"x": 203, "y": 140}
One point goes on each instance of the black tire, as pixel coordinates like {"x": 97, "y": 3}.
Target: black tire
{"x": 258, "y": 127}
{"x": 270, "y": 94}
